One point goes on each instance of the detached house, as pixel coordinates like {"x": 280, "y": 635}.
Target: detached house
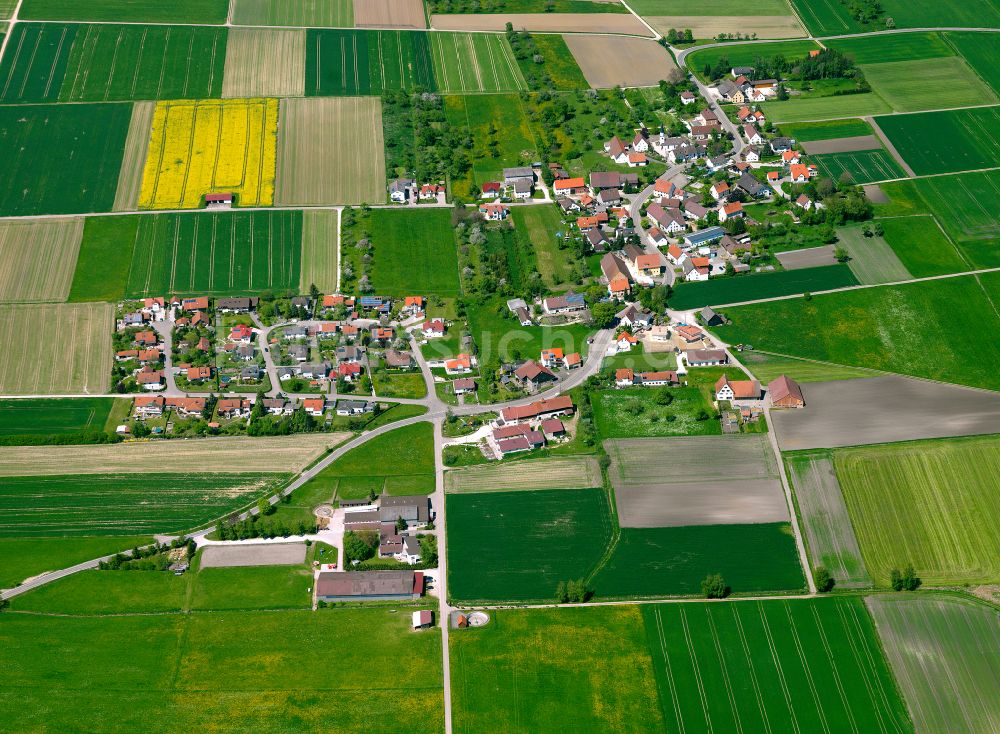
{"x": 741, "y": 393}
{"x": 616, "y": 272}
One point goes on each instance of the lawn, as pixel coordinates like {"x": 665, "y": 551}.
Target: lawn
{"x": 61, "y": 159}
{"x": 22, "y": 558}
{"x": 872, "y": 260}
{"x": 475, "y": 62}
{"x": 33, "y": 69}
{"x": 935, "y": 646}
{"x": 125, "y": 504}
{"x": 825, "y": 108}
{"x": 535, "y": 540}
{"x": 863, "y": 166}
{"x": 525, "y": 670}
{"x": 886, "y": 48}
{"x": 761, "y": 285}
{"x": 332, "y": 13}
{"x": 135, "y": 11}
{"x": 252, "y": 587}
{"x": 744, "y": 54}
{"x": 102, "y": 267}
{"x": 221, "y": 253}
{"x": 636, "y": 412}
{"x": 790, "y": 665}
{"x": 216, "y": 676}
{"x": 37, "y": 258}
{"x": 108, "y": 592}
{"x": 540, "y": 225}
{"x": 830, "y": 17}
{"x": 401, "y": 270}
{"x": 928, "y": 503}
{"x": 805, "y": 132}
{"x": 399, "y": 384}
{"x": 398, "y": 462}
{"x": 353, "y": 62}
{"x": 924, "y": 84}
{"x": 40, "y": 417}
{"x": 673, "y": 561}
{"x": 908, "y": 329}
{"x": 981, "y": 50}
{"x": 922, "y": 246}
{"x": 973, "y": 133}
{"x": 499, "y": 336}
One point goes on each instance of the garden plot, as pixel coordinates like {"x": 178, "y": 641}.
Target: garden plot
{"x": 620, "y": 23}
{"x": 475, "y": 62}
{"x": 320, "y": 248}
{"x": 610, "y": 61}
{"x": 828, "y": 530}
{"x": 134, "y": 158}
{"x": 872, "y": 260}
{"x": 265, "y": 63}
{"x": 331, "y": 152}
{"x": 38, "y": 258}
{"x": 569, "y": 472}
{"x": 389, "y": 14}
{"x": 301, "y": 14}
{"x": 73, "y": 356}
{"x": 264, "y": 554}
{"x": 883, "y": 409}
{"x": 660, "y": 483}
{"x": 811, "y": 257}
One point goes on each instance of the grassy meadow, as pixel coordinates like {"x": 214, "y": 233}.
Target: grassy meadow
{"x": 922, "y": 246}
{"x": 53, "y": 416}
{"x": 761, "y": 285}
{"x": 22, "y": 558}
{"x": 635, "y": 412}
{"x": 400, "y": 269}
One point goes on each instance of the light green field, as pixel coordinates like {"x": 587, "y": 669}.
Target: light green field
{"x": 709, "y": 7}
{"x": 38, "y": 258}
{"x": 766, "y": 367}
{"x": 22, "y": 558}
{"x": 474, "y": 62}
{"x": 539, "y": 224}
{"x": 319, "y": 250}
{"x": 825, "y": 108}
{"x": 945, "y": 652}
{"x": 300, "y": 14}
{"x": 922, "y": 246}
{"x": 929, "y": 503}
{"x": 863, "y": 166}
{"x": 884, "y": 48}
{"x": 872, "y": 259}
{"x": 928, "y": 84}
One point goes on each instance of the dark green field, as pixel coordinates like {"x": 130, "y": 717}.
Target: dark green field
{"x": 61, "y": 159}
{"x": 743, "y": 54}
{"x": 981, "y": 51}
{"x": 124, "y": 504}
{"x": 805, "y": 132}
{"x": 138, "y": 11}
{"x": 922, "y": 247}
{"x": 520, "y": 545}
{"x": 22, "y": 558}
{"x": 832, "y": 17}
{"x": 908, "y": 329}
{"x": 359, "y": 62}
{"x": 893, "y": 47}
{"x": 50, "y": 416}
{"x": 972, "y": 136}
{"x": 863, "y": 166}
{"x": 761, "y": 285}
{"x": 105, "y": 258}
{"x": 673, "y": 561}
{"x": 400, "y": 268}
{"x": 221, "y": 253}
{"x": 34, "y": 62}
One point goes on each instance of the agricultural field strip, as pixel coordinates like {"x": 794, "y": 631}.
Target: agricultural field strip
{"x": 461, "y": 64}
{"x": 265, "y": 62}
{"x": 555, "y": 473}
{"x": 274, "y": 454}
{"x": 134, "y": 157}
{"x": 872, "y": 260}
{"x": 320, "y": 264}
{"x": 38, "y": 258}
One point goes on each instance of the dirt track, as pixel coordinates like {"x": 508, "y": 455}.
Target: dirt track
{"x": 608, "y": 61}
{"x": 543, "y": 22}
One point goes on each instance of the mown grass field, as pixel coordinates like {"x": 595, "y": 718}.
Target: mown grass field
{"x": 73, "y": 357}
{"x": 527, "y": 668}
{"x": 37, "y": 259}
{"x": 767, "y": 367}
{"x": 863, "y": 166}
{"x": 218, "y": 253}
{"x": 922, "y": 246}
{"x": 138, "y": 11}
{"x": 830, "y": 17}
{"x": 928, "y": 503}
{"x": 534, "y": 540}
{"x": 332, "y": 13}
{"x": 805, "y": 132}
{"x": 825, "y": 108}
{"x": 872, "y": 259}
{"x": 980, "y": 50}
{"x": 761, "y": 285}
{"x": 265, "y": 62}
{"x": 936, "y": 648}
{"x": 359, "y": 62}
{"x": 743, "y": 54}
{"x": 399, "y": 270}
{"x": 539, "y": 225}
{"x": 474, "y": 62}
{"x": 635, "y": 412}
{"x": 908, "y": 329}
{"x": 61, "y": 159}
{"x": 934, "y": 83}
{"x": 887, "y": 48}
{"x": 53, "y": 416}
{"x": 257, "y": 587}
{"x": 557, "y": 472}
{"x": 104, "y": 260}
{"x": 217, "y": 676}
{"x": 791, "y": 665}
{"x": 972, "y": 133}
{"x": 22, "y": 558}
{"x": 125, "y": 504}
{"x": 319, "y": 250}
{"x": 673, "y": 561}
{"x": 211, "y": 146}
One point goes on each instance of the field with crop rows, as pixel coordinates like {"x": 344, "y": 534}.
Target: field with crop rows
{"x": 790, "y": 665}
{"x": 863, "y": 166}
{"x": 762, "y": 285}
{"x": 218, "y": 252}
{"x": 319, "y": 250}
{"x": 265, "y": 62}
{"x": 211, "y": 146}
{"x": 72, "y": 356}
{"x": 53, "y": 416}
{"x": 353, "y": 62}
{"x": 825, "y": 108}
{"x": 558, "y": 472}
{"x": 927, "y": 84}
{"x": 806, "y": 132}
{"x": 61, "y": 159}
{"x": 38, "y": 258}
{"x": 922, "y": 246}
{"x": 125, "y": 504}
{"x": 34, "y": 62}
{"x": 288, "y": 454}
{"x": 980, "y": 50}
{"x": 398, "y": 270}
{"x": 826, "y": 524}
{"x": 474, "y": 62}
{"x": 332, "y": 13}
{"x": 973, "y": 134}
{"x": 134, "y": 157}
{"x": 134, "y": 11}
{"x": 928, "y": 503}
{"x": 885, "y": 48}
{"x": 872, "y": 259}
{"x": 534, "y": 540}
{"x": 943, "y": 652}
{"x": 330, "y": 152}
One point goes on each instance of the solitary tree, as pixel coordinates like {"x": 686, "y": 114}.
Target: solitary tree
{"x": 824, "y": 581}
{"x": 714, "y": 587}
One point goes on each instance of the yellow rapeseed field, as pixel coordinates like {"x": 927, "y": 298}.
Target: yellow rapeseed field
{"x": 211, "y": 146}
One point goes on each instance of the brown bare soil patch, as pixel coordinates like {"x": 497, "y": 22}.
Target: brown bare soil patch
{"x": 609, "y": 61}
{"x": 709, "y": 26}
{"x": 842, "y": 145}
{"x": 809, "y": 258}
{"x": 543, "y": 22}
{"x": 389, "y": 14}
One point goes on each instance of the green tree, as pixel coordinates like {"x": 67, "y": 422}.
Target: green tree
{"x": 910, "y": 580}
{"x": 561, "y": 596}
{"x": 896, "y": 580}
{"x": 824, "y": 581}
{"x": 604, "y": 314}
{"x": 714, "y": 586}
{"x": 140, "y": 429}
{"x": 664, "y": 396}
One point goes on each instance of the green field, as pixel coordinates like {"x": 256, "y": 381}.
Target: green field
{"x": 804, "y": 132}
{"x": 221, "y": 253}
{"x": 559, "y": 63}
{"x": 398, "y": 462}
{"x": 53, "y": 416}
{"x": 908, "y": 329}
{"x": 929, "y": 503}
{"x": 332, "y": 13}
{"x": 922, "y": 246}
{"x": 972, "y": 136}
{"x": 252, "y": 587}
{"x": 138, "y": 11}
{"x": 520, "y": 545}
{"x": 635, "y": 412}
{"x": 710, "y": 8}
{"x": 744, "y": 54}
{"x": 102, "y": 266}
{"x": 61, "y": 159}
{"x": 539, "y": 226}
{"x": 35, "y": 62}
{"x": 761, "y": 285}
{"x": 927, "y": 84}
{"x": 214, "y": 675}
{"x": 499, "y": 336}
{"x": 528, "y": 669}
{"x": 124, "y": 504}
{"x": 830, "y": 17}
{"x": 22, "y": 558}
{"x": 941, "y": 650}
{"x": 475, "y": 62}
{"x": 400, "y": 269}
{"x": 792, "y": 665}
{"x": 825, "y": 108}
{"x": 863, "y": 166}
{"x": 893, "y": 47}
{"x": 872, "y": 259}
{"x": 357, "y": 62}
{"x": 767, "y": 367}
{"x": 981, "y": 50}
{"x": 673, "y": 561}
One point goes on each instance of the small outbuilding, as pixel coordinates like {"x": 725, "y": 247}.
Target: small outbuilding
{"x": 423, "y": 619}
